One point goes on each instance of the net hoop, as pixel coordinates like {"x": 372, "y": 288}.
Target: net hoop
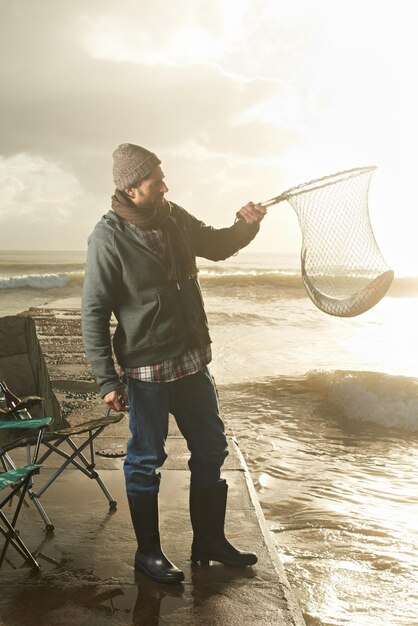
{"x": 319, "y": 183}
{"x": 343, "y": 270}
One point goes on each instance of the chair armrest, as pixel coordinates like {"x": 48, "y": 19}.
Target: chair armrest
{"x": 13, "y": 476}
{"x": 25, "y": 403}
{"x": 28, "y": 401}
{"x": 34, "y": 423}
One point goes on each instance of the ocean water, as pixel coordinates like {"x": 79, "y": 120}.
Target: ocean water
{"x": 326, "y": 412}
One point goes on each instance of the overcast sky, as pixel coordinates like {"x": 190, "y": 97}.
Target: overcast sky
{"x": 239, "y": 99}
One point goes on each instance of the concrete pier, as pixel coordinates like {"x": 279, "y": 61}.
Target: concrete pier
{"x": 87, "y": 575}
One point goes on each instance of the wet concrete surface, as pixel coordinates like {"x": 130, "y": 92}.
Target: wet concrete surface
{"x": 87, "y": 576}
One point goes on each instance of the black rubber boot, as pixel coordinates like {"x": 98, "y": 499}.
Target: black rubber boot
{"x": 149, "y": 557}
{"x": 207, "y": 513}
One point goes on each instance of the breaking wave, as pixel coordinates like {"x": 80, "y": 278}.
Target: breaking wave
{"x": 41, "y": 281}
{"x": 385, "y": 400}
{"x": 280, "y": 279}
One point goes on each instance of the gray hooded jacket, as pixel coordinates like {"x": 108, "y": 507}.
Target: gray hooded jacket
{"x": 157, "y": 318}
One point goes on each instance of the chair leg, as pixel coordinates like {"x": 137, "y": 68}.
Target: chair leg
{"x": 112, "y": 503}
{"x": 90, "y": 466}
{"x": 79, "y": 461}
{"x": 87, "y": 468}
{"x": 49, "y": 526}
{"x": 12, "y": 534}
{"x": 13, "y": 539}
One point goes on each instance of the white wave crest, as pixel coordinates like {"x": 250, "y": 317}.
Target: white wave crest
{"x": 40, "y": 281}
{"x": 222, "y": 272}
{"x": 389, "y": 401}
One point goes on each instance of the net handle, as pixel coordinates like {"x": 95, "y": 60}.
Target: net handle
{"x": 318, "y": 182}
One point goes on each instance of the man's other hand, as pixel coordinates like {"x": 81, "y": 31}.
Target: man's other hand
{"x": 117, "y": 400}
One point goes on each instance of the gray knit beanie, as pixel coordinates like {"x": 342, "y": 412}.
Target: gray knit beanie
{"x": 131, "y": 164}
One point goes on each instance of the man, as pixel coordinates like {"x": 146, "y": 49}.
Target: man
{"x": 141, "y": 266}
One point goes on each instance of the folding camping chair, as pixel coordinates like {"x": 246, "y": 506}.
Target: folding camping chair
{"x": 23, "y": 367}
{"x": 19, "y": 480}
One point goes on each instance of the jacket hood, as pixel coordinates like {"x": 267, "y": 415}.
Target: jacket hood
{"x": 112, "y": 220}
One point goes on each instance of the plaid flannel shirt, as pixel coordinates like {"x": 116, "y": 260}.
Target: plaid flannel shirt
{"x": 191, "y": 361}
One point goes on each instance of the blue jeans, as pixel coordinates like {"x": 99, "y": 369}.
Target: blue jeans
{"x": 193, "y": 402}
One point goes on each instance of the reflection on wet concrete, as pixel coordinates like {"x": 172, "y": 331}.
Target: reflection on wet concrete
{"x": 78, "y": 598}
{"x": 87, "y": 576}
{"x": 154, "y": 601}
{"x": 62, "y": 599}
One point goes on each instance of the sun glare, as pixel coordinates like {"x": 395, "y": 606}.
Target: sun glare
{"x": 341, "y": 85}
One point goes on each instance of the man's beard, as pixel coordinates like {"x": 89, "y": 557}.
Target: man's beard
{"x": 158, "y": 203}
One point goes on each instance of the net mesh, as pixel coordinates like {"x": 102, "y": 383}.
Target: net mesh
{"x": 343, "y": 270}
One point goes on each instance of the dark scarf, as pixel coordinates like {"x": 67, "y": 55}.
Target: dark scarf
{"x": 181, "y": 261}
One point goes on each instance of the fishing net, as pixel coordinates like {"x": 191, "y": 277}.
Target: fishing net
{"x": 343, "y": 270}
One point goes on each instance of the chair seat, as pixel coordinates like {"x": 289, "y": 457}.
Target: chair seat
{"x": 84, "y": 427}
{"x": 52, "y": 435}
{"x": 13, "y": 476}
